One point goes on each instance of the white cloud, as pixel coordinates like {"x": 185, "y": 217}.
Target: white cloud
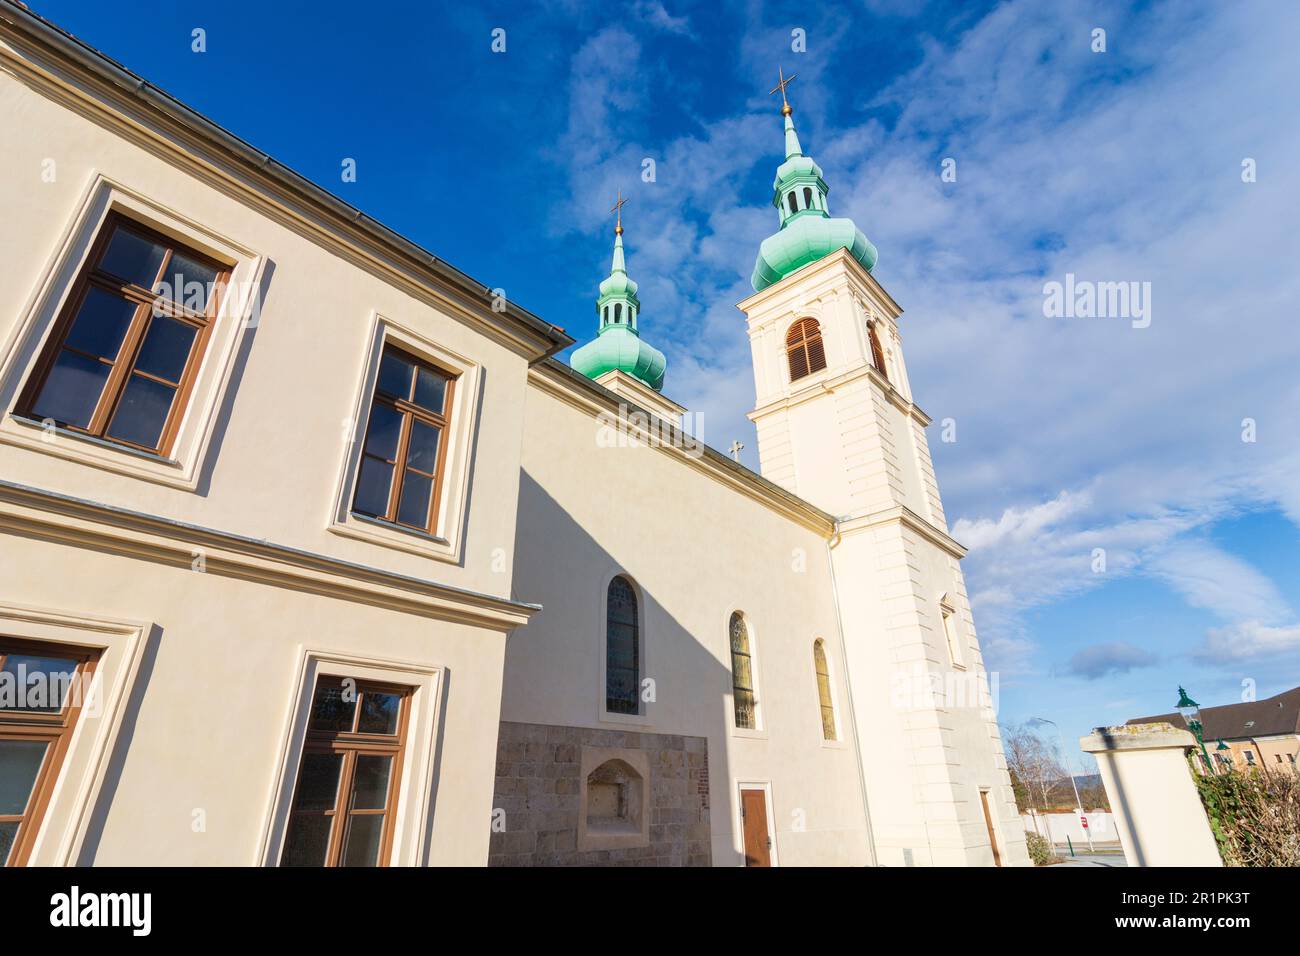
{"x": 1250, "y": 640}
{"x": 654, "y": 13}
{"x": 1221, "y": 583}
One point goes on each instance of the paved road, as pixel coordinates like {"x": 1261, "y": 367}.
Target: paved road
{"x": 1091, "y": 859}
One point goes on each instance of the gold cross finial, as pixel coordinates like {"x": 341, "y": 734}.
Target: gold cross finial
{"x": 617, "y": 209}
{"x": 784, "y": 82}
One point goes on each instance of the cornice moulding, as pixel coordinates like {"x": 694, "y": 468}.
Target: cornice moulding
{"x": 901, "y": 514}
{"x": 82, "y": 523}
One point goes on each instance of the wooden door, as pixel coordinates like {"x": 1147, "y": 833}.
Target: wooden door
{"x": 988, "y": 822}
{"x": 758, "y": 842}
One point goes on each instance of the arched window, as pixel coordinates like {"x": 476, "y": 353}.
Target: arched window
{"x": 803, "y": 348}
{"x": 877, "y": 353}
{"x": 618, "y": 311}
{"x": 824, "y": 690}
{"x": 792, "y": 202}
{"x": 622, "y": 648}
{"x": 606, "y": 313}
{"x": 807, "y": 198}
{"x": 742, "y": 674}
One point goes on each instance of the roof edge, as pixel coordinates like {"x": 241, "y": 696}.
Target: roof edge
{"x": 42, "y": 32}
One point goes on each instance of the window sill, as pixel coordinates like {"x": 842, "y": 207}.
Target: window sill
{"x": 401, "y": 528}
{"x": 29, "y": 433}
{"x": 391, "y": 535}
{"x": 634, "y": 720}
{"x": 62, "y": 432}
{"x": 746, "y": 733}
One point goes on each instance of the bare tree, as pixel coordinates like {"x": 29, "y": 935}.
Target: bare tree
{"x": 1035, "y": 763}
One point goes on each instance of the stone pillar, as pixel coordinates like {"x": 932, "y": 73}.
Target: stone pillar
{"x": 1158, "y": 812}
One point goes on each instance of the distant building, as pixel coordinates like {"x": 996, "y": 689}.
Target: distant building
{"x": 1257, "y": 733}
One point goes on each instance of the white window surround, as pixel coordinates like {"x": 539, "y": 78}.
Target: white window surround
{"x": 951, "y": 631}
{"x": 642, "y": 718}
{"x": 239, "y": 312}
{"x": 121, "y": 644}
{"x": 759, "y": 730}
{"x": 447, "y": 539}
{"x": 413, "y": 821}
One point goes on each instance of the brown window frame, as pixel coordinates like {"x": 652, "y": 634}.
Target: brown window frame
{"x": 805, "y": 351}
{"x": 123, "y": 369}
{"x": 352, "y": 744}
{"x": 55, "y": 729}
{"x": 877, "y": 353}
{"x": 410, "y": 413}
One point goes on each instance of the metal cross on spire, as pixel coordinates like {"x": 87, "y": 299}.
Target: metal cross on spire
{"x": 617, "y": 209}
{"x": 784, "y": 82}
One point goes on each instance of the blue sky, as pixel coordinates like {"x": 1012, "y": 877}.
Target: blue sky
{"x": 1072, "y": 434}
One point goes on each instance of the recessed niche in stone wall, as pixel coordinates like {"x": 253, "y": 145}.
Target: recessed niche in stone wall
{"x": 615, "y": 791}
{"x": 615, "y": 801}
{"x": 639, "y": 799}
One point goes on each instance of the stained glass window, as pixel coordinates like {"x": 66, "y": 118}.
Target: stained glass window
{"x": 824, "y": 690}
{"x": 742, "y": 674}
{"x": 622, "y": 649}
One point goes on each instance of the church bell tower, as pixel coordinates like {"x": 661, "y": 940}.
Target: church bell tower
{"x": 837, "y": 425}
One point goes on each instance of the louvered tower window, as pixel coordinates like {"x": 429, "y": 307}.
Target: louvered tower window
{"x": 877, "y": 353}
{"x": 803, "y": 348}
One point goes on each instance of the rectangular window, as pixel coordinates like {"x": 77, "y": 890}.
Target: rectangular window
{"x": 950, "y": 634}
{"x": 344, "y": 801}
{"x": 124, "y": 353}
{"x": 403, "y": 458}
{"x": 42, "y": 687}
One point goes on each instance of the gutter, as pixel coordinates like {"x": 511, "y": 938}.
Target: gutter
{"x": 24, "y": 21}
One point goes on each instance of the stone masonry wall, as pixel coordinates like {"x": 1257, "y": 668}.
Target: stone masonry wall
{"x": 538, "y": 788}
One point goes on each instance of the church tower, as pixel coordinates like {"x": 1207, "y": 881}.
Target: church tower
{"x": 837, "y": 425}
{"x": 619, "y": 358}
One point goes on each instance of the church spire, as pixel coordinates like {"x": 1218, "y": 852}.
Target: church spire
{"x": 618, "y": 265}
{"x": 807, "y": 232}
{"x": 792, "y": 147}
{"x": 618, "y": 343}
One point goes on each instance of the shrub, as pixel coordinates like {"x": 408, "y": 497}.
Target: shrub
{"x": 1040, "y": 850}
{"x": 1255, "y": 815}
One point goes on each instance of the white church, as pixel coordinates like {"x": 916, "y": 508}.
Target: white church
{"x": 315, "y": 554}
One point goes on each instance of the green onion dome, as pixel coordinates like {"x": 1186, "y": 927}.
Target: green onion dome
{"x": 618, "y": 343}
{"x": 807, "y": 232}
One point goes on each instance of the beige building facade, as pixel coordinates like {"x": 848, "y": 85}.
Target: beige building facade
{"x": 325, "y": 551}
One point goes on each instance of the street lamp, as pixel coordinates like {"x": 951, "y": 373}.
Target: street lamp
{"x": 1191, "y": 712}
{"x": 1038, "y": 722}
